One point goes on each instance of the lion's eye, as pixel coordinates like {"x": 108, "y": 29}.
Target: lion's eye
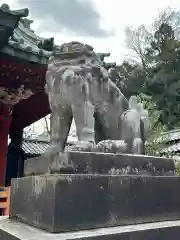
{"x": 82, "y": 61}
{"x": 93, "y": 75}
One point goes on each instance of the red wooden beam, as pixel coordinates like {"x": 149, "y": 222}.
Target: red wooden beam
{"x": 30, "y": 110}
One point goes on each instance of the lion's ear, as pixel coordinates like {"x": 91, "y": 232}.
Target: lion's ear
{"x": 90, "y": 48}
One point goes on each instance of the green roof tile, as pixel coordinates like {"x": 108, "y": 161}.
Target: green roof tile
{"x": 24, "y": 43}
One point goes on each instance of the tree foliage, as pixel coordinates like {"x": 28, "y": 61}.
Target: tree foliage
{"x": 153, "y": 147}
{"x": 154, "y": 69}
{"x": 129, "y": 78}
{"x": 164, "y": 80}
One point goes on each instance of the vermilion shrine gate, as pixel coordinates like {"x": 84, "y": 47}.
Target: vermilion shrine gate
{"x": 23, "y": 63}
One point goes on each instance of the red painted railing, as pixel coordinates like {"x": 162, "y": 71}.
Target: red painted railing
{"x": 4, "y": 200}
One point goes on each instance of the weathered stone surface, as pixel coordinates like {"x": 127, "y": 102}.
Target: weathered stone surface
{"x": 88, "y": 162}
{"x": 12, "y": 230}
{"x": 61, "y": 203}
{"x": 81, "y": 88}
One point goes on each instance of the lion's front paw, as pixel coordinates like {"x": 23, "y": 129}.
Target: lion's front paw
{"x": 61, "y": 164}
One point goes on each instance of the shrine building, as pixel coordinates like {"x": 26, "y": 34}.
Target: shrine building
{"x": 23, "y": 63}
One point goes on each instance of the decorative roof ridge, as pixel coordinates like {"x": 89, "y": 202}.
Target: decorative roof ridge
{"x": 25, "y": 33}
{"x": 26, "y": 38}
{"x": 21, "y": 12}
{"x": 27, "y": 23}
{"x": 104, "y": 54}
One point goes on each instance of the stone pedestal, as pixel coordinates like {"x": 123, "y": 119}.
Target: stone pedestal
{"x": 119, "y": 196}
{"x": 60, "y": 203}
{"x": 107, "y": 163}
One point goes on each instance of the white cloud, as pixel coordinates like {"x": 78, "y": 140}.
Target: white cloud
{"x": 116, "y": 15}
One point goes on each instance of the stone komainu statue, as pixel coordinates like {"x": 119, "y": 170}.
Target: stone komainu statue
{"x": 79, "y": 86}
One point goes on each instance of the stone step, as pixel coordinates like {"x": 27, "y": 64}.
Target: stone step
{"x": 59, "y": 203}
{"x": 170, "y": 230}
{"x": 105, "y": 163}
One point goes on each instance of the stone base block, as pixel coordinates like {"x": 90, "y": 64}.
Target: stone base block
{"x": 107, "y": 163}
{"x": 61, "y": 203}
{"x": 12, "y": 230}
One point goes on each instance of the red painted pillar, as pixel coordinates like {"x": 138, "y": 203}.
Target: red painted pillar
{"x": 5, "y": 121}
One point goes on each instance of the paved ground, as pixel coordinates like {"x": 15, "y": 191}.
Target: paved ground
{"x": 22, "y": 231}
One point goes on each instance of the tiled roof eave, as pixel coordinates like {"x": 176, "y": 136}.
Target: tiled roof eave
{"x": 23, "y": 53}
{"x": 171, "y": 149}
{"x": 24, "y": 43}
{"x": 28, "y": 48}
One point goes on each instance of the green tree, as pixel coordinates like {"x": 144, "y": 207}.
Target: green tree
{"x": 139, "y": 39}
{"x": 163, "y": 83}
{"x": 157, "y": 49}
{"x": 129, "y": 78}
{"x": 154, "y": 144}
